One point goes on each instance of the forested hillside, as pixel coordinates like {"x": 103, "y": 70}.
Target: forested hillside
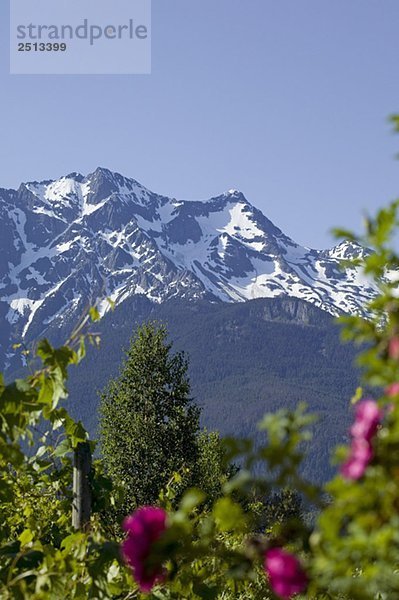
{"x": 245, "y": 359}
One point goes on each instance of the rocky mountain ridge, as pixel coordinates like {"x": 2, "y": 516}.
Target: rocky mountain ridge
{"x": 71, "y": 242}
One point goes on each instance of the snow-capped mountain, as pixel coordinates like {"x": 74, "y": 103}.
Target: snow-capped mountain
{"x": 68, "y": 243}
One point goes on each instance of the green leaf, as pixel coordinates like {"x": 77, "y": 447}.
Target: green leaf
{"x": 81, "y": 353}
{"x": 111, "y": 303}
{"x": 191, "y": 499}
{"x": 94, "y": 314}
{"x": 26, "y": 537}
{"x": 63, "y": 448}
{"x": 40, "y": 451}
{"x": 344, "y": 234}
{"x": 357, "y": 396}
{"x": 46, "y": 391}
{"x": 75, "y": 431}
{"x": 73, "y": 541}
{"x": 228, "y": 515}
{"x": 45, "y": 350}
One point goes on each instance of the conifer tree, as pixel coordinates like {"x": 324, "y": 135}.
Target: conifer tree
{"x": 149, "y": 424}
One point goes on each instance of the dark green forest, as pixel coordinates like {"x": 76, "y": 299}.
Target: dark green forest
{"x": 245, "y": 360}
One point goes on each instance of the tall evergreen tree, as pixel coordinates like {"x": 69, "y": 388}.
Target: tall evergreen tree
{"x": 149, "y": 425}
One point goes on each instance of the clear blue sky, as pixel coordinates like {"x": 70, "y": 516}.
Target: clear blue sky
{"x": 286, "y": 100}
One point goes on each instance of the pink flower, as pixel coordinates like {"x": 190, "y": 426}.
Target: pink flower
{"x": 286, "y": 575}
{"x": 360, "y": 456}
{"x": 393, "y": 389}
{"x": 367, "y": 419}
{"x": 144, "y": 527}
{"x": 393, "y": 347}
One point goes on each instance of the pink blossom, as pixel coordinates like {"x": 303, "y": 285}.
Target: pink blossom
{"x": 393, "y": 389}
{"x": 286, "y": 575}
{"x": 360, "y": 456}
{"x": 144, "y": 527}
{"x": 367, "y": 419}
{"x": 393, "y": 347}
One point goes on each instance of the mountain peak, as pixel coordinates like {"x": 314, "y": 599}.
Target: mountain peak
{"x": 102, "y": 172}
{"x": 70, "y": 242}
{"x": 74, "y": 175}
{"x": 347, "y": 250}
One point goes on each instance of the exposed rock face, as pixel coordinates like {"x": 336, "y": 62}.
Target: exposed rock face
{"x": 65, "y": 244}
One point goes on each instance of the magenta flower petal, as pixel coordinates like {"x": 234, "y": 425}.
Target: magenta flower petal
{"x": 361, "y": 450}
{"x": 353, "y": 468}
{"x": 285, "y": 573}
{"x": 368, "y": 417}
{"x": 360, "y": 455}
{"x": 144, "y": 527}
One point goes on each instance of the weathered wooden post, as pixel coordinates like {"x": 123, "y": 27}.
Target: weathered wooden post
{"x": 81, "y": 503}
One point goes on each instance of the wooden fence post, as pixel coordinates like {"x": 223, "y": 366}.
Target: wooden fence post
{"x": 81, "y": 503}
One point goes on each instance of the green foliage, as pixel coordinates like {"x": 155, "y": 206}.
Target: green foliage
{"x": 278, "y": 510}
{"x": 259, "y": 355}
{"x": 40, "y": 555}
{"x": 150, "y": 426}
{"x": 212, "y": 468}
{"x": 356, "y": 550}
{"x": 217, "y": 553}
